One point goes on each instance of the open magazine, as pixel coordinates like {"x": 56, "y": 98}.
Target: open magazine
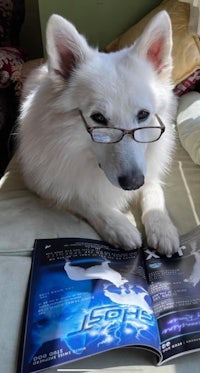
{"x": 86, "y": 297}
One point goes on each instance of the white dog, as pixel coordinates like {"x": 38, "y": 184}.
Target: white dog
{"x": 68, "y": 147}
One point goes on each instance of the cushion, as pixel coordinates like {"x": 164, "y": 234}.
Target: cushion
{"x": 188, "y": 124}
{"x": 11, "y": 59}
{"x": 188, "y": 84}
{"x": 186, "y": 47}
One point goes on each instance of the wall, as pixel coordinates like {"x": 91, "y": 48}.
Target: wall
{"x": 99, "y": 20}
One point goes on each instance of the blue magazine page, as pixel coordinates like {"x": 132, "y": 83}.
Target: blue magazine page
{"x": 175, "y": 290}
{"x": 85, "y": 297}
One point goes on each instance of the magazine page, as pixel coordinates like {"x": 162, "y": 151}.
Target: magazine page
{"x": 175, "y": 290}
{"x": 86, "y": 297}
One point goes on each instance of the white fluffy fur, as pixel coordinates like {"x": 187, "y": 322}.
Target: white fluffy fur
{"x": 58, "y": 158}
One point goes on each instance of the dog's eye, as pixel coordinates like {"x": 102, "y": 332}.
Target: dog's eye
{"x": 142, "y": 115}
{"x": 99, "y": 118}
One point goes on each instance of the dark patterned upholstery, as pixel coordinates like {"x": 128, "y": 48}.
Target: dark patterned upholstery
{"x": 11, "y": 58}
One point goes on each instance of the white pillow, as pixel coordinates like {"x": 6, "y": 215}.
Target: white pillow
{"x": 188, "y": 124}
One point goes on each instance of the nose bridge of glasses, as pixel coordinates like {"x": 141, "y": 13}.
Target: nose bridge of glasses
{"x": 130, "y": 133}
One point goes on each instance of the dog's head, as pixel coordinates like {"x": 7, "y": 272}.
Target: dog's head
{"x": 124, "y": 89}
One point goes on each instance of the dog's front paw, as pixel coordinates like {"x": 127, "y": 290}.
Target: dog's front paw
{"x": 118, "y": 231}
{"x": 161, "y": 234}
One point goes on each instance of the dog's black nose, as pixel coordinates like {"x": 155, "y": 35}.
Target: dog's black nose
{"x": 131, "y": 182}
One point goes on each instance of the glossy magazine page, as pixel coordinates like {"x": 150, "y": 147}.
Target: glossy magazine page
{"x": 175, "y": 290}
{"x": 85, "y": 297}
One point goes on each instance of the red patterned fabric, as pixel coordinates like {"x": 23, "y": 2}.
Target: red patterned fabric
{"x": 11, "y": 59}
{"x": 188, "y": 84}
{"x": 10, "y": 65}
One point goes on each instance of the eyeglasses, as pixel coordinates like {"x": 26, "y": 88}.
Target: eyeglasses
{"x": 108, "y": 135}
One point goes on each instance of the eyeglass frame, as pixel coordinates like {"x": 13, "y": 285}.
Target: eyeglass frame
{"x": 124, "y": 131}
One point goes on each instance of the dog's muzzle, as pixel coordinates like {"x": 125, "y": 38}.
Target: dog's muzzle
{"x": 131, "y": 182}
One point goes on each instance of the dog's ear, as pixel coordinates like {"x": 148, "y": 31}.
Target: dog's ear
{"x": 155, "y": 44}
{"x": 66, "y": 48}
